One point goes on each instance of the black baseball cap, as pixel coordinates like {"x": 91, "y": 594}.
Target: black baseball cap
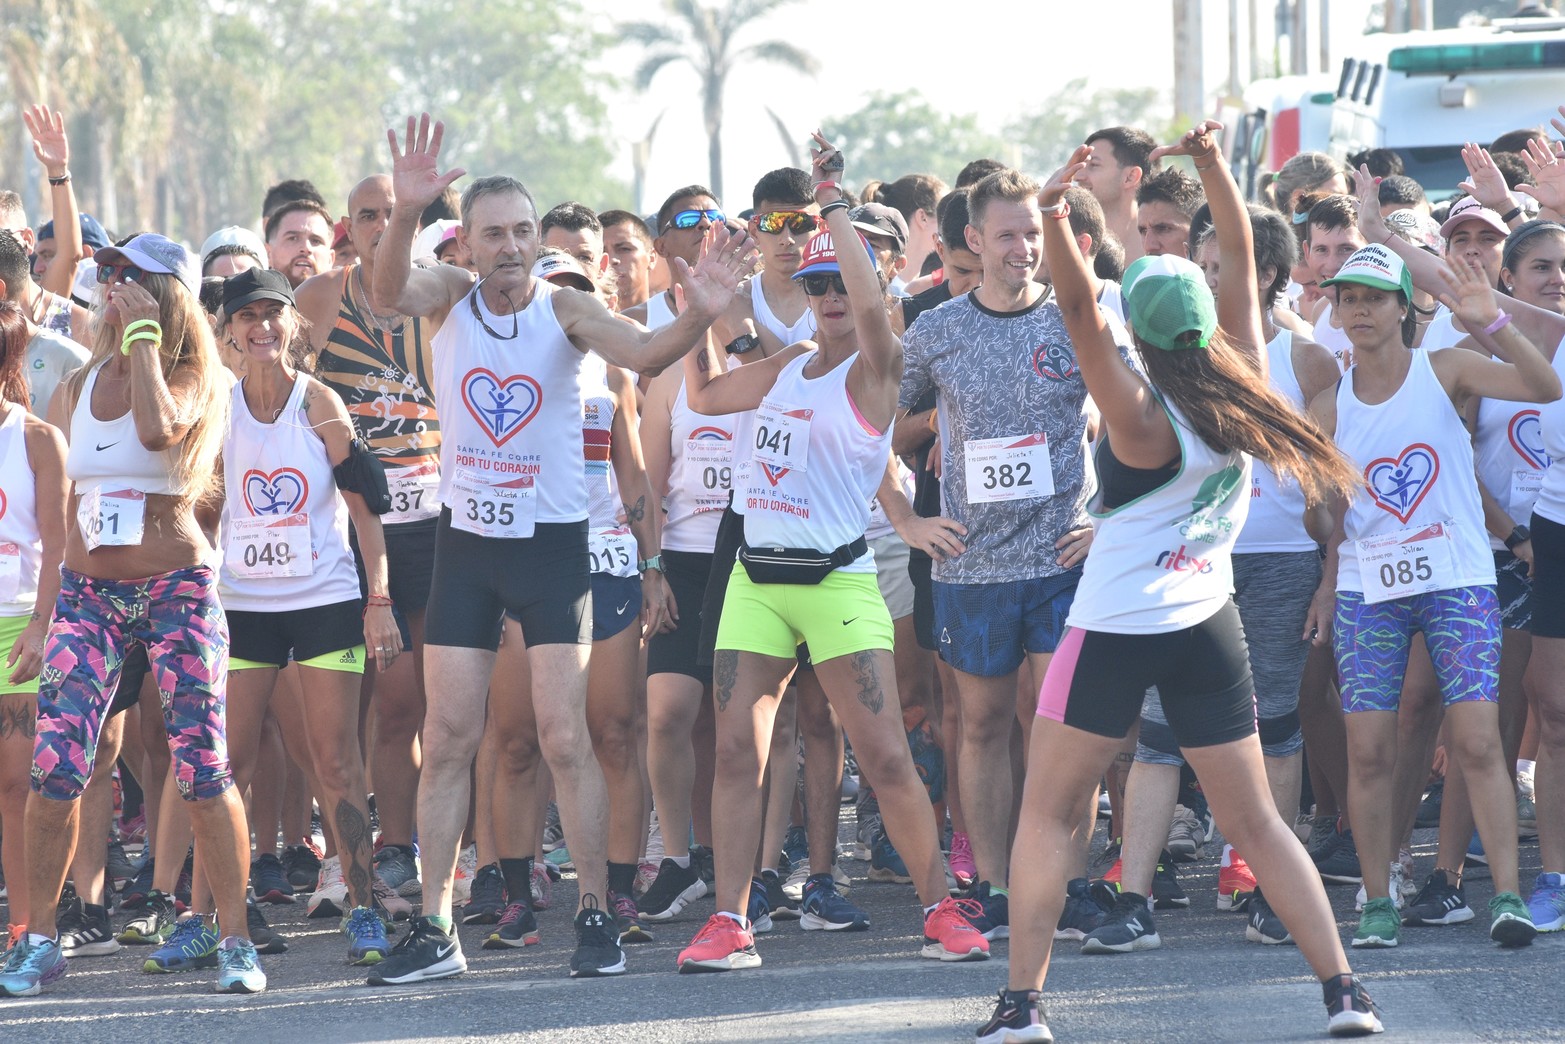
{"x": 256, "y": 284}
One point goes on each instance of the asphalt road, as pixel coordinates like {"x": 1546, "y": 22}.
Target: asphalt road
{"x": 1205, "y": 984}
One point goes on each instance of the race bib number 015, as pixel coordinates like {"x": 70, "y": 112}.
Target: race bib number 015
{"x": 115, "y": 519}
{"x": 613, "y": 552}
{"x": 1015, "y": 467}
{"x": 270, "y": 547}
{"x": 508, "y": 509}
{"x": 782, "y": 437}
{"x": 1414, "y": 561}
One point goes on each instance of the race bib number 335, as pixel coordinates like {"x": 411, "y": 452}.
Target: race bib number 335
{"x": 507, "y": 509}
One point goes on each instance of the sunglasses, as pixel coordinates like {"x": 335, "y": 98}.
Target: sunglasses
{"x": 795, "y": 221}
{"x": 112, "y": 270}
{"x": 692, "y": 218}
{"x": 817, "y": 285}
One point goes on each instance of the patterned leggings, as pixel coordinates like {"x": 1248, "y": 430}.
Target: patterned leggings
{"x": 179, "y": 621}
{"x": 1461, "y": 628}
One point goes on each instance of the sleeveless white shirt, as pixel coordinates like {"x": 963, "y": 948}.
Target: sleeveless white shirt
{"x": 1333, "y": 338}
{"x": 659, "y": 314}
{"x": 108, "y": 455}
{"x": 700, "y": 475}
{"x": 1551, "y": 498}
{"x": 1276, "y": 521}
{"x": 802, "y": 328}
{"x": 21, "y": 548}
{"x": 1508, "y": 446}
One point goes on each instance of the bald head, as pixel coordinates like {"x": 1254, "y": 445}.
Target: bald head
{"x": 369, "y": 211}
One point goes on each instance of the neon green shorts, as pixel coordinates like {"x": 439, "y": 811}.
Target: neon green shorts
{"x": 11, "y": 628}
{"x": 842, "y": 614}
{"x": 349, "y": 661}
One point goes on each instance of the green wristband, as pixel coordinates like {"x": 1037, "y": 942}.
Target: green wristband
{"x": 145, "y": 335}
{"x": 151, "y": 324}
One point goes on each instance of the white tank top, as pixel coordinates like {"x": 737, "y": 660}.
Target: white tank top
{"x": 21, "y": 549}
{"x": 814, "y": 464}
{"x": 597, "y": 433}
{"x": 1508, "y": 447}
{"x": 1333, "y": 338}
{"x": 802, "y": 329}
{"x": 108, "y": 455}
{"x": 280, "y": 470}
{"x": 700, "y": 474}
{"x": 510, "y": 408}
{"x": 1441, "y": 331}
{"x": 1417, "y": 461}
{"x": 659, "y": 314}
{"x": 1164, "y": 561}
{"x": 1276, "y": 521}
{"x": 1551, "y": 498}
{"x": 879, "y": 524}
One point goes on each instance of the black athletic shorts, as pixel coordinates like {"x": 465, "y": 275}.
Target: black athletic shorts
{"x": 410, "y": 568}
{"x": 295, "y": 634}
{"x": 1548, "y": 577}
{"x": 730, "y": 534}
{"x": 687, "y": 573}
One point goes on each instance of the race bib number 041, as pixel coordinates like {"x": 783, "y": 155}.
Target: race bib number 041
{"x": 782, "y": 437}
{"x": 270, "y": 547}
{"x": 1414, "y": 561}
{"x": 508, "y": 509}
{"x": 1015, "y": 467}
{"x": 115, "y": 519}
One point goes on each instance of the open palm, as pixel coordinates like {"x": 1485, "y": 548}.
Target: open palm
{"x": 415, "y": 178}
{"x": 50, "y": 144}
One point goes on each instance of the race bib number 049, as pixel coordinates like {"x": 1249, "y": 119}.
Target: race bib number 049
{"x": 508, "y": 509}
{"x": 270, "y": 547}
{"x": 1414, "y": 561}
{"x": 115, "y": 519}
{"x": 1015, "y": 467}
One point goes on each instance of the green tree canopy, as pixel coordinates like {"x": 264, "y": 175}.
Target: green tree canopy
{"x": 897, "y": 134}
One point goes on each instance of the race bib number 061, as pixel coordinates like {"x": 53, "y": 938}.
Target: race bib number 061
{"x": 114, "y": 519}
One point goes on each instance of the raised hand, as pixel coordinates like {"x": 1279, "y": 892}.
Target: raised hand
{"x": 50, "y": 144}
{"x": 826, "y": 162}
{"x": 1198, "y": 143}
{"x": 1548, "y": 175}
{"x": 131, "y": 302}
{"x": 1371, "y": 225}
{"x": 708, "y": 286}
{"x": 415, "y": 181}
{"x": 1484, "y": 181}
{"x": 1468, "y": 294}
{"x": 1054, "y": 189}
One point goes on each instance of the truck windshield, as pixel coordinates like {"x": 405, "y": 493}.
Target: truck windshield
{"x": 1439, "y": 168}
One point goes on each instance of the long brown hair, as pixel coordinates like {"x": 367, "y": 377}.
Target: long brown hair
{"x": 1227, "y": 404}
{"x": 13, "y": 353}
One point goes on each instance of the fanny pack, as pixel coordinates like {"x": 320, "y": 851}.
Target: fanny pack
{"x": 362, "y": 472}
{"x": 797, "y": 565}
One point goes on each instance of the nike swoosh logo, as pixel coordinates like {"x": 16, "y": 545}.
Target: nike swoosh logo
{"x": 108, "y": 446}
{"x": 621, "y": 610}
{"x": 846, "y": 622}
{"x": 444, "y": 953}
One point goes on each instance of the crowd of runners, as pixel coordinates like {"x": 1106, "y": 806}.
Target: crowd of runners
{"x": 472, "y": 537}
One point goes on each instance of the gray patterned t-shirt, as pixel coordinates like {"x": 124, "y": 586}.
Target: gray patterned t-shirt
{"x": 1005, "y": 374}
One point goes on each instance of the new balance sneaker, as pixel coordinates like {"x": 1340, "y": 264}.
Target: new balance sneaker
{"x": 722, "y": 944}
{"x": 992, "y": 916}
{"x": 1379, "y": 926}
{"x": 1083, "y": 913}
{"x": 388, "y": 902}
{"x": 1017, "y": 1019}
{"x": 784, "y": 907}
{"x": 518, "y": 927}
{"x": 154, "y": 922}
{"x": 826, "y": 910}
{"x": 265, "y": 938}
{"x": 884, "y": 862}
{"x": 134, "y": 895}
{"x": 397, "y": 865}
{"x": 366, "y": 932}
{"x": 192, "y": 944}
{"x": 302, "y": 864}
{"x": 1265, "y": 927}
{"x": 963, "y": 867}
{"x": 487, "y": 902}
{"x": 1338, "y": 861}
{"x": 1127, "y": 928}
{"x": 29, "y": 967}
{"x": 553, "y": 832}
{"x": 950, "y": 933}
{"x": 1349, "y": 1011}
{"x": 598, "y": 951}
{"x": 428, "y": 951}
{"x": 675, "y": 888}
{"x": 1167, "y": 893}
{"x": 1186, "y": 835}
{"x": 1437, "y": 903}
{"x": 240, "y": 967}
{"x": 330, "y": 898}
{"x": 466, "y": 870}
{"x": 1547, "y": 905}
{"x": 84, "y": 930}
{"x": 1235, "y": 882}
{"x": 628, "y": 919}
{"x": 1510, "y": 923}
{"x": 269, "y": 881}
{"x": 541, "y": 884}
{"x": 758, "y": 911}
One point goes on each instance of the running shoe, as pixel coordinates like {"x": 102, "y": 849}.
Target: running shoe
{"x": 1429, "y": 808}
{"x": 154, "y": 922}
{"x": 182, "y": 883}
{"x": 241, "y": 968}
{"x": 1510, "y": 925}
{"x": 1526, "y": 817}
{"x": 793, "y": 888}
{"x": 192, "y": 944}
{"x": 466, "y": 869}
{"x": 1349, "y": 1011}
{"x": 1235, "y": 883}
{"x": 1083, "y": 912}
{"x": 758, "y": 911}
{"x": 628, "y": 919}
{"x": 518, "y": 927}
{"x": 330, "y": 898}
{"x": 553, "y": 832}
{"x": 963, "y": 866}
{"x": 120, "y": 869}
{"x": 1111, "y": 852}
{"x": 722, "y": 944}
{"x": 84, "y": 930}
{"x": 598, "y": 951}
{"x": 993, "y": 913}
{"x": 428, "y": 951}
{"x": 1323, "y": 835}
{"x": 950, "y": 933}
{"x": 302, "y": 864}
{"x": 826, "y": 910}
{"x": 29, "y": 967}
{"x": 1338, "y": 861}
{"x": 796, "y": 846}
{"x": 1113, "y": 874}
{"x": 1265, "y": 927}
{"x": 134, "y": 895}
{"x": 269, "y": 881}
{"x": 1379, "y": 926}
{"x": 646, "y": 873}
{"x": 560, "y": 858}
{"x": 1547, "y": 905}
{"x": 1186, "y": 835}
{"x": 867, "y": 811}
{"x": 488, "y": 901}
{"x": 397, "y": 865}
{"x": 784, "y": 908}
{"x": 366, "y": 932}
{"x": 540, "y": 885}
{"x": 1017, "y": 1019}
{"x": 1127, "y": 928}
{"x": 1437, "y": 903}
{"x": 675, "y": 888}
{"x": 266, "y": 939}
{"x": 1395, "y": 876}
{"x": 1475, "y": 852}
{"x": 885, "y": 864}
{"x": 701, "y": 858}
{"x": 1167, "y": 894}
{"x": 392, "y": 906}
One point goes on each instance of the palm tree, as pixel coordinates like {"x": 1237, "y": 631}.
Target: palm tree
{"x": 703, "y": 38}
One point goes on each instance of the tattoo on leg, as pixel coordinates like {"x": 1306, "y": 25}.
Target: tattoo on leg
{"x": 18, "y": 718}
{"x": 865, "y": 673}
{"x": 725, "y": 668}
{"x": 353, "y": 838}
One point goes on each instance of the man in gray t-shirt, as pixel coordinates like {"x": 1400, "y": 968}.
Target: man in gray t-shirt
{"x": 50, "y": 356}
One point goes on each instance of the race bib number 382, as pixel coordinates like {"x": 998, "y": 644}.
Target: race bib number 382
{"x": 1014, "y": 467}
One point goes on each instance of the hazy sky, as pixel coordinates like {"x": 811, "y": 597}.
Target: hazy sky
{"x": 998, "y": 60}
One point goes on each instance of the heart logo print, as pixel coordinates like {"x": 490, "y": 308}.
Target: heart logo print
{"x": 1526, "y": 433}
{"x": 501, "y": 407}
{"x": 773, "y": 475}
{"x": 1053, "y": 362}
{"x": 282, "y": 492}
{"x": 1401, "y": 483}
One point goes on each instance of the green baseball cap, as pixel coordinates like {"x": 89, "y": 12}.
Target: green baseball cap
{"x": 1170, "y": 304}
{"x": 1376, "y": 266}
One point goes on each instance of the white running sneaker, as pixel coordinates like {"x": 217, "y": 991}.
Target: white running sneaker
{"x": 466, "y": 870}
{"x": 1395, "y": 888}
{"x": 330, "y": 898}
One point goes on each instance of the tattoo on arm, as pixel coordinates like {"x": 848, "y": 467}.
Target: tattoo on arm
{"x": 871, "y": 694}
{"x": 637, "y": 511}
{"x": 353, "y": 837}
{"x": 725, "y": 668}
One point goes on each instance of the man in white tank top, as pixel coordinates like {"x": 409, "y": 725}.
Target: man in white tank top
{"x": 785, "y": 218}
{"x": 476, "y": 574}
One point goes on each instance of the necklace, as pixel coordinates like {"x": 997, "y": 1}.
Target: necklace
{"x": 390, "y": 323}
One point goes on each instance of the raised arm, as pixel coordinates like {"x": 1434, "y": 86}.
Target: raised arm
{"x": 416, "y": 183}
{"x": 1518, "y": 371}
{"x": 53, "y": 150}
{"x": 1487, "y": 185}
{"x": 162, "y": 410}
{"x": 713, "y": 390}
{"x": 1548, "y": 176}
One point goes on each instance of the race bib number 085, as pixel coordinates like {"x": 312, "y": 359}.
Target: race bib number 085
{"x": 1413, "y": 561}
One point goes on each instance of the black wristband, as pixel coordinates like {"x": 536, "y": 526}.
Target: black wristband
{"x": 1512, "y": 214}
{"x": 62, "y": 179}
{"x": 834, "y": 205}
{"x": 1520, "y": 535}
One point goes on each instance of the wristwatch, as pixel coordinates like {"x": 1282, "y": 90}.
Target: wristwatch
{"x": 655, "y": 562}
{"x": 742, "y": 344}
{"x": 1519, "y": 535}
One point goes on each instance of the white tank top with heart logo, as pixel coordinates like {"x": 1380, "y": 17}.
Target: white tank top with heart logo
{"x": 1551, "y": 497}
{"x": 277, "y": 471}
{"x": 1417, "y": 461}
